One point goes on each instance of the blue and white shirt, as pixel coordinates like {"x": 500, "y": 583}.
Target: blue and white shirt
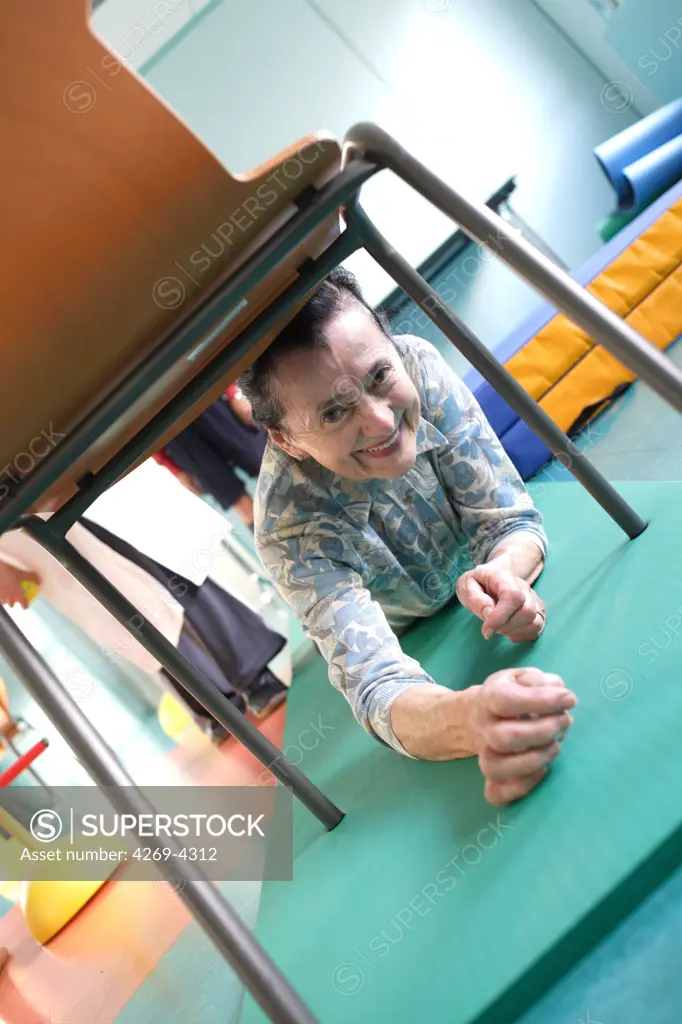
{"x": 359, "y": 560}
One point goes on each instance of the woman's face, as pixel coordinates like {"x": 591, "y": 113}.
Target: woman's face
{"x": 350, "y": 405}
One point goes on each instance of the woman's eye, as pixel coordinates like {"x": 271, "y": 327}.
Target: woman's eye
{"x": 333, "y": 415}
{"x": 381, "y": 376}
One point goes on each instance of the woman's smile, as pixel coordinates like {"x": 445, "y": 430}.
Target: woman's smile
{"x": 384, "y": 448}
{"x": 367, "y": 433}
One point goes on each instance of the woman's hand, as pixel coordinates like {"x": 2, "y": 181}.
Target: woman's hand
{"x": 11, "y": 591}
{"x": 512, "y": 722}
{"x": 517, "y": 719}
{"x": 506, "y": 603}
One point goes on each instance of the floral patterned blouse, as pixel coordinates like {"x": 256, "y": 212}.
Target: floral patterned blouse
{"x": 358, "y": 561}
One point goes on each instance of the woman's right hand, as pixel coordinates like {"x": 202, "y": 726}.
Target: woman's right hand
{"x": 517, "y": 719}
{"x": 11, "y": 591}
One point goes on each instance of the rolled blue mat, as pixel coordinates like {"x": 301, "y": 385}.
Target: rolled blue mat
{"x": 654, "y": 173}
{"x": 644, "y": 158}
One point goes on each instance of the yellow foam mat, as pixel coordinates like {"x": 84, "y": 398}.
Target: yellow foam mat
{"x": 598, "y": 374}
{"x": 637, "y": 274}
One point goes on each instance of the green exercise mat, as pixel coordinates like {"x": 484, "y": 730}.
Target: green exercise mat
{"x": 426, "y": 903}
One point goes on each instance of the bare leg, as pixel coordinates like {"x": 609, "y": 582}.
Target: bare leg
{"x": 244, "y": 508}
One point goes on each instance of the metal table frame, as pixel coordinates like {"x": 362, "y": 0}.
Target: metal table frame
{"x": 367, "y": 149}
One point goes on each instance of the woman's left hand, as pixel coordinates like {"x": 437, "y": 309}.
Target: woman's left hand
{"x": 505, "y": 603}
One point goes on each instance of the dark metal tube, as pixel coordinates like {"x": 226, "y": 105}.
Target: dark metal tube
{"x": 188, "y": 677}
{"x": 480, "y": 223}
{"x": 210, "y": 908}
{"x": 496, "y": 374}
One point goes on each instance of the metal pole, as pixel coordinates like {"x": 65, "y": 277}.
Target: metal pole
{"x": 487, "y": 228}
{"x": 192, "y": 680}
{"x": 308, "y": 277}
{"x": 7, "y": 740}
{"x": 500, "y": 378}
{"x": 231, "y": 936}
{"x": 508, "y": 213}
{"x": 29, "y": 771}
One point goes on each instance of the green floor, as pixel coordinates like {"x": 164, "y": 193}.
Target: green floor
{"x": 192, "y": 983}
{"x": 632, "y": 976}
{"x": 440, "y": 908}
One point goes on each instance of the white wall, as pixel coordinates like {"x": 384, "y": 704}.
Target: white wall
{"x": 136, "y": 30}
{"x": 587, "y": 28}
{"x": 485, "y": 90}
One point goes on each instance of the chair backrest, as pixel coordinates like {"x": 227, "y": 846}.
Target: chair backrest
{"x": 117, "y": 224}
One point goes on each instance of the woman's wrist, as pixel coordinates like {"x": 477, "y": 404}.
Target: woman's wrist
{"x": 521, "y": 555}
{"x": 434, "y": 723}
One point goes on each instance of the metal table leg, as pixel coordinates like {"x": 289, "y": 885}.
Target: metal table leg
{"x": 500, "y": 378}
{"x": 193, "y": 681}
{"x": 480, "y": 223}
{"x": 231, "y": 936}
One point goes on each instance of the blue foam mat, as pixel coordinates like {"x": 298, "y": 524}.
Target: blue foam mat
{"x": 645, "y": 157}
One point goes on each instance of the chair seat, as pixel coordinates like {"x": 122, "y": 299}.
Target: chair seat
{"x": 120, "y": 225}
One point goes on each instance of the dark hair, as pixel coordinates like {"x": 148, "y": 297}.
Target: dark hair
{"x": 305, "y": 331}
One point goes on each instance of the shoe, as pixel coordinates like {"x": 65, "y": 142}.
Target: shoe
{"x": 216, "y": 732}
{"x": 265, "y": 695}
{"x": 214, "y": 729}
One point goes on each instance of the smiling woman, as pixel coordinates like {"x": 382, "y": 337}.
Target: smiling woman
{"x": 383, "y": 494}
{"x": 353, "y": 406}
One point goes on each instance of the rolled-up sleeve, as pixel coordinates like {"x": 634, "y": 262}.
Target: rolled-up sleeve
{"x": 482, "y": 482}
{"x": 315, "y": 569}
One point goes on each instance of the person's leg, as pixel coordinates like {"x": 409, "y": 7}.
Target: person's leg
{"x": 194, "y": 455}
{"x": 201, "y": 660}
{"x": 243, "y": 506}
{"x": 236, "y": 443}
{"x": 265, "y": 694}
{"x": 240, "y": 642}
{"x": 231, "y": 641}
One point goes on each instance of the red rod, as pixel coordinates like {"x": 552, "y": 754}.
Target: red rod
{"x": 23, "y": 762}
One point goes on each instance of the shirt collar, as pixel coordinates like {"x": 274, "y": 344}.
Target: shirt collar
{"x": 429, "y": 437}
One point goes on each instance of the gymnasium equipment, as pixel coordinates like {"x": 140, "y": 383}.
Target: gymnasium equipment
{"x": 162, "y": 276}
{"x": 48, "y": 905}
{"x": 443, "y": 908}
{"x": 174, "y": 719}
{"x": 31, "y": 590}
{"x": 23, "y": 762}
{"x": 645, "y": 159}
{"x": 639, "y": 276}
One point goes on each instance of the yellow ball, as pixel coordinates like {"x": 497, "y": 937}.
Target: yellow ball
{"x": 11, "y": 891}
{"x": 31, "y": 589}
{"x": 173, "y": 718}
